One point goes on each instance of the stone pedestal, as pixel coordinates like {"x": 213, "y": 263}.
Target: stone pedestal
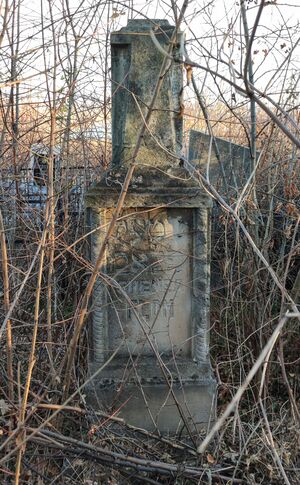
{"x": 147, "y": 400}
{"x": 152, "y": 299}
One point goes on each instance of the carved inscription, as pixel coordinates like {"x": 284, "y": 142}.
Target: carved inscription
{"x": 151, "y": 309}
{"x": 150, "y": 257}
{"x": 139, "y": 239}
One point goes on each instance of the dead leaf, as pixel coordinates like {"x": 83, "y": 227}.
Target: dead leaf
{"x": 292, "y": 210}
{"x": 20, "y": 441}
{"x": 116, "y": 14}
{"x": 4, "y": 407}
{"x": 189, "y": 73}
{"x": 210, "y": 459}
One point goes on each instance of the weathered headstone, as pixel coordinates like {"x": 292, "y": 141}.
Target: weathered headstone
{"x": 227, "y": 160}
{"x": 229, "y": 166}
{"x": 152, "y": 297}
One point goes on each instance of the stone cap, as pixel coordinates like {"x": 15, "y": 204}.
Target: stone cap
{"x": 141, "y": 25}
{"x": 137, "y": 27}
{"x": 150, "y": 187}
{"x": 144, "y": 25}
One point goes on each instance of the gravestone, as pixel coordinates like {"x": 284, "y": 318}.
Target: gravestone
{"x": 227, "y": 160}
{"x": 151, "y": 300}
{"x": 229, "y": 169}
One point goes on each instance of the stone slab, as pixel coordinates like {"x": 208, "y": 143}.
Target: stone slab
{"x": 150, "y": 257}
{"x": 235, "y": 160}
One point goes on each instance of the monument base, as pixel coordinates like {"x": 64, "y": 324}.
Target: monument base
{"x": 154, "y": 304}
{"x": 146, "y": 397}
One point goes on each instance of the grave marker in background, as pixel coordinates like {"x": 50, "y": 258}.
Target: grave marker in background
{"x": 229, "y": 169}
{"x": 235, "y": 160}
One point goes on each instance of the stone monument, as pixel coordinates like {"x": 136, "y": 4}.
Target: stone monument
{"x": 152, "y": 297}
{"x": 228, "y": 161}
{"x": 229, "y": 169}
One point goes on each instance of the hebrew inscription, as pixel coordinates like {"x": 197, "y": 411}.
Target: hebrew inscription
{"x": 150, "y": 256}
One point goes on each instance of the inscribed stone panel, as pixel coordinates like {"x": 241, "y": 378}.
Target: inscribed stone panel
{"x": 150, "y": 257}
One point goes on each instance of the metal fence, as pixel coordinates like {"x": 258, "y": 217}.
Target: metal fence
{"x": 23, "y": 197}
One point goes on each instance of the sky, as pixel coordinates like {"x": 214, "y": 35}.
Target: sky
{"x": 213, "y": 33}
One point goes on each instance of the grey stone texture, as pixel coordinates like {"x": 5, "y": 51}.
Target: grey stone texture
{"x": 152, "y": 296}
{"x": 234, "y": 161}
{"x": 229, "y": 169}
{"x": 136, "y": 64}
{"x": 140, "y": 381}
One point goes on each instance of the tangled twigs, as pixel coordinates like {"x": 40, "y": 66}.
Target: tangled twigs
{"x": 264, "y": 356}
{"x": 104, "y": 456}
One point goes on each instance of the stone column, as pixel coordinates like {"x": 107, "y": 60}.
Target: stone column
{"x": 135, "y": 66}
{"x": 152, "y": 297}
